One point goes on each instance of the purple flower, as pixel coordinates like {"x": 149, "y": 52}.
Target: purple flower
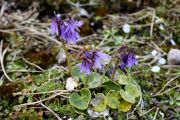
{"x": 128, "y": 60}
{"x": 87, "y": 63}
{"x": 70, "y": 31}
{"x": 67, "y": 29}
{"x": 54, "y": 26}
{"x": 93, "y": 60}
{"x": 100, "y": 59}
{"x": 85, "y": 67}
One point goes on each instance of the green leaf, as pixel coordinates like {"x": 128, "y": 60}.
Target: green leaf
{"x": 112, "y": 99}
{"x": 177, "y": 103}
{"x": 105, "y": 79}
{"x": 76, "y": 71}
{"x": 80, "y": 101}
{"x": 110, "y": 85}
{"x": 124, "y": 106}
{"x": 94, "y": 80}
{"x": 130, "y": 93}
{"x": 99, "y": 102}
{"x": 123, "y": 80}
{"x": 126, "y": 96}
{"x": 133, "y": 90}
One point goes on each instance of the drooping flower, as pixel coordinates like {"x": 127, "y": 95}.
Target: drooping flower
{"x": 100, "y": 59}
{"x": 70, "y": 31}
{"x": 66, "y": 29}
{"x": 55, "y": 25}
{"x": 93, "y": 60}
{"x": 128, "y": 59}
{"x": 86, "y": 66}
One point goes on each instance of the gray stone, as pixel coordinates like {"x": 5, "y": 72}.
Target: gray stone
{"x": 174, "y": 57}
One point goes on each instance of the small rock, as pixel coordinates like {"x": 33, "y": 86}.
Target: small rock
{"x": 173, "y": 42}
{"x": 174, "y": 57}
{"x": 154, "y": 52}
{"x": 162, "y": 61}
{"x": 155, "y": 69}
{"x": 161, "y": 27}
{"x": 71, "y": 84}
{"x": 126, "y": 28}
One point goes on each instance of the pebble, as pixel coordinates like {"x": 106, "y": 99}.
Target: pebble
{"x": 162, "y": 61}
{"x": 154, "y": 52}
{"x": 174, "y": 57}
{"x": 126, "y": 28}
{"x": 155, "y": 69}
{"x": 173, "y": 42}
{"x": 71, "y": 84}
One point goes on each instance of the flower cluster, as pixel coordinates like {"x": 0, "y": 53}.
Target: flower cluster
{"x": 67, "y": 29}
{"x": 93, "y": 60}
{"x": 128, "y": 58}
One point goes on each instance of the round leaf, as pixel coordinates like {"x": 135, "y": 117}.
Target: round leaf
{"x": 126, "y": 96}
{"x": 112, "y": 99}
{"x": 124, "y": 106}
{"x": 133, "y": 90}
{"x": 81, "y": 100}
{"x": 99, "y": 103}
{"x": 94, "y": 80}
{"x": 110, "y": 85}
{"x": 123, "y": 80}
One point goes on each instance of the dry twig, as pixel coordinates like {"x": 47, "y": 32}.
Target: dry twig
{"x": 2, "y": 54}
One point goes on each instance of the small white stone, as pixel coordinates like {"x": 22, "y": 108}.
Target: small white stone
{"x": 155, "y": 69}
{"x": 83, "y": 12}
{"x": 70, "y": 119}
{"x": 161, "y": 27}
{"x": 162, "y": 61}
{"x": 71, "y": 84}
{"x": 154, "y": 52}
{"x": 157, "y": 21}
{"x": 126, "y": 28}
{"x": 172, "y": 42}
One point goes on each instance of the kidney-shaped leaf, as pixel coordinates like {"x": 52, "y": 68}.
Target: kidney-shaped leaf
{"x": 110, "y": 85}
{"x": 94, "y": 80}
{"x": 80, "y": 101}
{"x": 99, "y": 103}
{"x": 123, "y": 80}
{"x": 126, "y": 96}
{"x": 112, "y": 99}
{"x": 133, "y": 90}
{"x": 124, "y": 106}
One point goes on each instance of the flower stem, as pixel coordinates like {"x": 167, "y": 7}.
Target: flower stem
{"x": 86, "y": 82}
{"x": 107, "y": 67}
{"x": 67, "y": 57}
{"x": 115, "y": 68}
